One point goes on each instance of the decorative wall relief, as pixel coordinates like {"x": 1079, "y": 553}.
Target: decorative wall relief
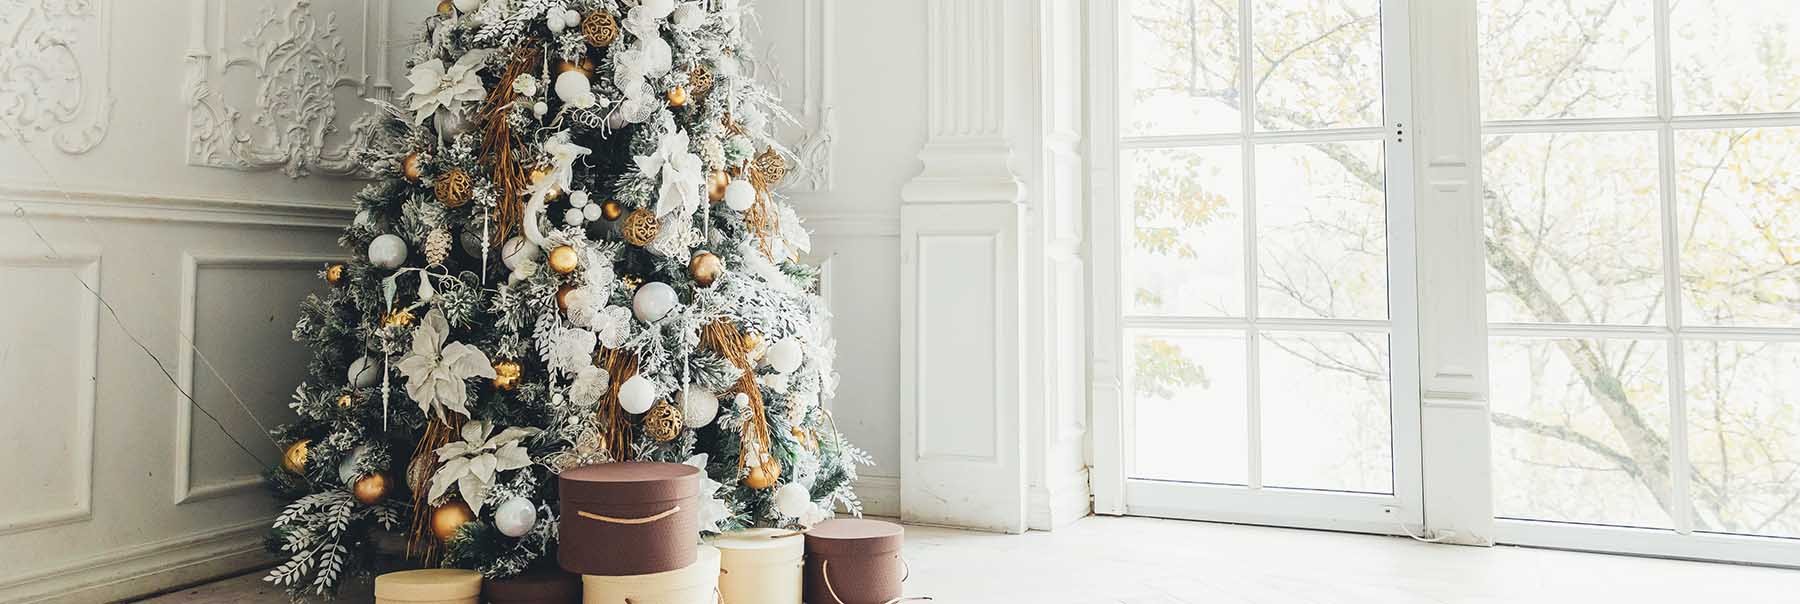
{"x": 814, "y": 140}
{"x": 300, "y": 64}
{"x": 53, "y": 72}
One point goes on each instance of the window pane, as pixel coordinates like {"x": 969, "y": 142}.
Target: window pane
{"x": 1318, "y": 63}
{"x": 1735, "y": 56}
{"x": 1190, "y": 404}
{"x": 1181, "y": 73}
{"x": 1325, "y": 419}
{"x": 1187, "y": 236}
{"x": 1581, "y": 430}
{"x": 1739, "y": 208}
{"x": 1321, "y": 220}
{"x": 1571, "y": 58}
{"x": 1573, "y": 228}
{"x": 1743, "y": 413}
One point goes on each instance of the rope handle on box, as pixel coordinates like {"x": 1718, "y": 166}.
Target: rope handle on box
{"x": 825, "y": 573}
{"x": 644, "y": 520}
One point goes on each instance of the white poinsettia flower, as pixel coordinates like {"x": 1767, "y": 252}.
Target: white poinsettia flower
{"x": 680, "y": 171}
{"x": 612, "y": 325}
{"x": 571, "y": 350}
{"x": 437, "y": 86}
{"x": 435, "y": 371}
{"x": 589, "y": 385}
{"x": 472, "y": 463}
{"x": 712, "y": 508}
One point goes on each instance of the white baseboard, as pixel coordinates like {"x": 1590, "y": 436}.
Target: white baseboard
{"x": 147, "y": 568}
{"x": 1063, "y": 501}
{"x": 880, "y": 495}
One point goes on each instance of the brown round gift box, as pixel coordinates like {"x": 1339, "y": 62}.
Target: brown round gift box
{"x": 854, "y": 561}
{"x": 541, "y": 586}
{"x": 628, "y": 518}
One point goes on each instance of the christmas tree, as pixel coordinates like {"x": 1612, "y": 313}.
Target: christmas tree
{"x": 572, "y": 254}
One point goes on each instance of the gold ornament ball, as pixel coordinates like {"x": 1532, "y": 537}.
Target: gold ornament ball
{"x": 641, "y": 227}
{"x": 371, "y": 489}
{"x": 715, "y": 185}
{"x": 447, "y": 518}
{"x": 344, "y": 401}
{"x": 663, "y": 422}
{"x": 398, "y": 318}
{"x": 412, "y": 167}
{"x": 770, "y": 166}
{"x": 599, "y": 28}
{"x": 700, "y": 81}
{"x": 752, "y": 341}
{"x": 583, "y": 65}
{"x": 334, "y": 274}
{"x": 678, "y": 97}
{"x": 759, "y": 479}
{"x": 294, "y": 459}
{"x": 563, "y": 260}
{"x": 562, "y": 297}
{"x": 453, "y": 188}
{"x": 705, "y": 268}
{"x": 446, "y": 7}
{"x": 506, "y": 374}
{"x": 611, "y": 209}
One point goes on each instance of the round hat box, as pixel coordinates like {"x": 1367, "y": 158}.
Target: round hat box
{"x": 429, "y": 586}
{"x": 628, "y": 518}
{"x": 541, "y": 586}
{"x": 698, "y": 583}
{"x": 854, "y": 561}
{"x": 761, "y": 565}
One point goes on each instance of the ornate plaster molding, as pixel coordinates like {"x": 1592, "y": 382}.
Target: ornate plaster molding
{"x": 54, "y": 62}
{"x": 814, "y": 146}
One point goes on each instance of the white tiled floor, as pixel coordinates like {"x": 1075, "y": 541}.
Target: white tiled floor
{"x": 1144, "y": 561}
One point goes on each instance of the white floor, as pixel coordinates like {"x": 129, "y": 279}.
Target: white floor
{"x": 1144, "y": 561}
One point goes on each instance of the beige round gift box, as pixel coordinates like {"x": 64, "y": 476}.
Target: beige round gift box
{"x": 429, "y": 586}
{"x": 761, "y": 566}
{"x": 696, "y": 584}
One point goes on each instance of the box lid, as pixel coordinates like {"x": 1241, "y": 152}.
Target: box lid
{"x": 630, "y": 482}
{"x": 430, "y": 584}
{"x": 854, "y": 537}
{"x": 541, "y": 585}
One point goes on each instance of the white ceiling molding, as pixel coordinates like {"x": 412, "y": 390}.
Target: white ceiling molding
{"x": 299, "y": 62}
{"x": 53, "y": 72}
{"x": 816, "y": 139}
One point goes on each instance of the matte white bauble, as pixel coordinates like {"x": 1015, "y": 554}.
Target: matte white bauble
{"x": 347, "y": 467}
{"x": 571, "y": 18}
{"x": 653, "y": 301}
{"x": 573, "y": 217}
{"x": 556, "y": 23}
{"x": 466, "y": 5}
{"x": 517, "y": 250}
{"x": 574, "y": 88}
{"x": 592, "y": 212}
{"x": 698, "y": 406}
{"x": 785, "y": 355}
{"x": 364, "y": 373}
{"x": 739, "y": 195}
{"x": 579, "y": 199}
{"x": 387, "y": 251}
{"x": 637, "y": 394}
{"x": 540, "y": 109}
{"x": 793, "y": 500}
{"x": 363, "y": 218}
{"x": 577, "y": 302}
{"x": 515, "y": 517}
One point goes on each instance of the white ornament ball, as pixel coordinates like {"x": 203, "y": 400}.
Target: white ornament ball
{"x": 540, "y": 109}
{"x": 785, "y": 356}
{"x": 573, "y": 217}
{"x": 467, "y": 5}
{"x": 387, "y": 251}
{"x": 579, "y": 199}
{"x": 653, "y": 301}
{"x": 517, "y": 250}
{"x": 698, "y": 406}
{"x": 515, "y": 517}
{"x": 637, "y": 394}
{"x": 793, "y": 500}
{"x": 571, "y": 18}
{"x": 739, "y": 195}
{"x": 592, "y": 212}
{"x": 364, "y": 373}
{"x": 556, "y": 23}
{"x": 574, "y": 89}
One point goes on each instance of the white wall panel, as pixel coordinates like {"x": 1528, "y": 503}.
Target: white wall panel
{"x": 47, "y": 363}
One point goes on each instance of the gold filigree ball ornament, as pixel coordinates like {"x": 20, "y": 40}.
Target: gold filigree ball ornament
{"x": 705, "y": 268}
{"x": 611, "y": 209}
{"x": 334, "y": 274}
{"x": 700, "y": 81}
{"x": 448, "y": 518}
{"x": 716, "y": 182}
{"x": 599, "y": 29}
{"x": 770, "y": 166}
{"x": 371, "y": 489}
{"x": 506, "y": 374}
{"x": 453, "y": 188}
{"x": 663, "y": 422}
{"x": 563, "y": 259}
{"x": 294, "y": 458}
{"x": 641, "y": 227}
{"x": 412, "y": 167}
{"x": 677, "y": 96}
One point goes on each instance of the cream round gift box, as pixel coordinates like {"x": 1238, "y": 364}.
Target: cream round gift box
{"x": 761, "y": 566}
{"x": 429, "y": 586}
{"x": 696, "y": 584}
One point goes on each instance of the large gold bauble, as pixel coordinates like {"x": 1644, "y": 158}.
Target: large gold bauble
{"x": 447, "y": 518}
{"x": 453, "y": 188}
{"x": 294, "y": 458}
{"x": 506, "y": 374}
{"x": 563, "y": 260}
{"x": 716, "y": 184}
{"x": 334, "y": 274}
{"x": 678, "y": 97}
{"x": 371, "y": 489}
{"x": 599, "y": 28}
{"x": 705, "y": 268}
{"x": 641, "y": 227}
{"x": 663, "y": 422}
{"x": 611, "y": 209}
{"x": 770, "y": 166}
{"x": 412, "y": 167}
{"x": 759, "y": 478}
